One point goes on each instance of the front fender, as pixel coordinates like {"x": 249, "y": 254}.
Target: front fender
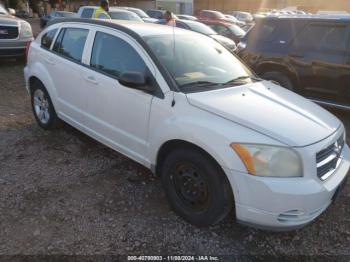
{"x": 208, "y": 131}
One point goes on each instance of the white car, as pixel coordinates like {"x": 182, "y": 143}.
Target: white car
{"x": 183, "y": 106}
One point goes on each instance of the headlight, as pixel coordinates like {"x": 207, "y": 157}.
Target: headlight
{"x": 269, "y": 161}
{"x": 26, "y": 30}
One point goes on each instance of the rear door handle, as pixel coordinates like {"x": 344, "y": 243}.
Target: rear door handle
{"x": 91, "y": 79}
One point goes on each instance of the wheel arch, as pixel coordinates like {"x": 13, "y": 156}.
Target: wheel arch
{"x": 274, "y": 67}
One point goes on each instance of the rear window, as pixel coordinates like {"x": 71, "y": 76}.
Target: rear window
{"x": 47, "y": 39}
{"x": 273, "y": 31}
{"x": 70, "y": 43}
{"x": 87, "y": 13}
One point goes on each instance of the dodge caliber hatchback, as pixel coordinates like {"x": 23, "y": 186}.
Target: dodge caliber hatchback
{"x": 183, "y": 106}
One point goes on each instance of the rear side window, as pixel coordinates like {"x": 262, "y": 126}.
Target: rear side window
{"x": 70, "y": 43}
{"x": 324, "y": 37}
{"x": 47, "y": 38}
{"x": 114, "y": 56}
{"x": 87, "y": 13}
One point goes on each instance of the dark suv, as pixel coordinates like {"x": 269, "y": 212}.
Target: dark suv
{"x": 309, "y": 55}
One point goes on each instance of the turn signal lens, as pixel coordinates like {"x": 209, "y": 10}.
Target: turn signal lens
{"x": 245, "y": 156}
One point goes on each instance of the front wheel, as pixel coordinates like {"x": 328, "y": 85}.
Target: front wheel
{"x": 196, "y": 187}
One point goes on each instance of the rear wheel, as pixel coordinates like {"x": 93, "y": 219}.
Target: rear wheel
{"x": 280, "y": 79}
{"x": 196, "y": 187}
{"x": 42, "y": 107}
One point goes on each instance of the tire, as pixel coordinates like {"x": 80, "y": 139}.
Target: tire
{"x": 196, "y": 187}
{"x": 280, "y": 78}
{"x": 43, "y": 110}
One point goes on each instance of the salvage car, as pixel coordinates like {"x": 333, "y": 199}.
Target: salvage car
{"x": 183, "y": 106}
{"x": 15, "y": 34}
{"x": 309, "y": 55}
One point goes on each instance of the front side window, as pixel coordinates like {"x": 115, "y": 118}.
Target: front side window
{"x": 70, "y": 43}
{"x": 47, "y": 38}
{"x": 197, "y": 59}
{"x": 87, "y": 13}
{"x": 113, "y": 56}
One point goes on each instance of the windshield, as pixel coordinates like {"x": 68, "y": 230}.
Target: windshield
{"x": 2, "y": 10}
{"x": 197, "y": 60}
{"x": 236, "y": 30}
{"x": 218, "y": 15}
{"x": 201, "y": 28}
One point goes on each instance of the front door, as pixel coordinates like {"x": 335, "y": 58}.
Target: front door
{"x": 117, "y": 115}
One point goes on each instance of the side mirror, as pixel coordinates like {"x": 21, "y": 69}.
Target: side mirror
{"x": 136, "y": 80}
{"x": 11, "y": 11}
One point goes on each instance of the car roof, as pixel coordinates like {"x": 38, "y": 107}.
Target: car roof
{"x": 329, "y": 18}
{"x": 131, "y": 27}
{"x": 121, "y": 10}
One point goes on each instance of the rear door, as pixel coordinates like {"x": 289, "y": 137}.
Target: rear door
{"x": 344, "y": 90}
{"x": 318, "y": 55}
{"x": 65, "y": 70}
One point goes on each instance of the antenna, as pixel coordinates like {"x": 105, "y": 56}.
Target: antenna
{"x": 174, "y": 50}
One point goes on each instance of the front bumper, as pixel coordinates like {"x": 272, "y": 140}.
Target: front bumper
{"x": 284, "y": 203}
{"x": 16, "y": 47}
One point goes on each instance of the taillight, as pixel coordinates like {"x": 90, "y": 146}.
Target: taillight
{"x": 27, "y": 50}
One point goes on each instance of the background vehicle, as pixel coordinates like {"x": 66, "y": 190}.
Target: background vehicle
{"x": 206, "y": 30}
{"x": 86, "y": 11}
{"x": 309, "y": 55}
{"x": 228, "y": 30}
{"x": 210, "y": 15}
{"x": 243, "y": 16}
{"x": 234, "y": 20}
{"x": 15, "y": 34}
{"x": 146, "y": 18}
{"x": 146, "y": 99}
{"x": 55, "y": 15}
{"x": 121, "y": 14}
{"x": 157, "y": 14}
{"x": 187, "y": 17}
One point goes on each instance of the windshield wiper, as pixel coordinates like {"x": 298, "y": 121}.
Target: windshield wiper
{"x": 200, "y": 84}
{"x": 239, "y": 80}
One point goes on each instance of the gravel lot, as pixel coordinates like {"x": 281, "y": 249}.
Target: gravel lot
{"x": 63, "y": 193}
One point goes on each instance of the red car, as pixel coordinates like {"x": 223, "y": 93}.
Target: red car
{"x": 210, "y": 15}
{"x": 229, "y": 30}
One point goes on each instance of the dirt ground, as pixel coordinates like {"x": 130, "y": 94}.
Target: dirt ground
{"x": 63, "y": 193}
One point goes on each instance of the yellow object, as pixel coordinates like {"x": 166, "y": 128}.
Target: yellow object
{"x": 100, "y": 13}
{"x": 245, "y": 156}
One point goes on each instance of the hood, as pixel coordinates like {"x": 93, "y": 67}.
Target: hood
{"x": 271, "y": 110}
{"x": 9, "y": 20}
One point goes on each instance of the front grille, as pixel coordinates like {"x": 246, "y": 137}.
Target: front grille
{"x": 8, "y": 32}
{"x": 328, "y": 159}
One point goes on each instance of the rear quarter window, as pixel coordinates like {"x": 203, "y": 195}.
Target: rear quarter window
{"x": 47, "y": 38}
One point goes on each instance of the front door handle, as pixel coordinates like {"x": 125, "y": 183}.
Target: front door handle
{"x": 91, "y": 79}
